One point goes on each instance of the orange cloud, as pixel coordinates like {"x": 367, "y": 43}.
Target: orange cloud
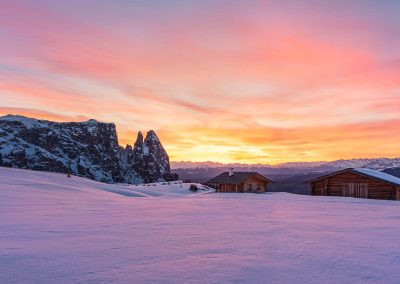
{"x": 226, "y": 84}
{"x": 40, "y": 114}
{"x": 274, "y": 145}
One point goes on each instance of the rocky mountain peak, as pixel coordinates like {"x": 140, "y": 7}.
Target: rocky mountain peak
{"x": 155, "y": 156}
{"x": 139, "y": 140}
{"x": 152, "y": 136}
{"x": 89, "y": 149}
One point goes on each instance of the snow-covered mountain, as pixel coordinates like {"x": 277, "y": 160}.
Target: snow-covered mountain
{"x": 89, "y": 149}
{"x": 377, "y": 163}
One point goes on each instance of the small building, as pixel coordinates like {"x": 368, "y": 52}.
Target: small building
{"x": 240, "y": 182}
{"x": 359, "y": 183}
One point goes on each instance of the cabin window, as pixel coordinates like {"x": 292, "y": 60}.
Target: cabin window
{"x": 249, "y": 187}
{"x": 358, "y": 190}
{"x": 258, "y": 186}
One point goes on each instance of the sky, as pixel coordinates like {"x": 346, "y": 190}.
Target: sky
{"x": 228, "y": 81}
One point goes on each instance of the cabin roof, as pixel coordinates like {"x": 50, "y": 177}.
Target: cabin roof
{"x": 236, "y": 178}
{"x": 378, "y": 175}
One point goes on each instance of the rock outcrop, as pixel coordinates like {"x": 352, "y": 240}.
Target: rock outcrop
{"x": 147, "y": 159}
{"x": 89, "y": 149}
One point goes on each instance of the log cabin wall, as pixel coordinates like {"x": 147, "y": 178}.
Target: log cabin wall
{"x": 230, "y": 188}
{"x": 239, "y": 182}
{"x": 255, "y": 183}
{"x": 334, "y": 185}
{"x": 319, "y": 187}
{"x": 244, "y": 186}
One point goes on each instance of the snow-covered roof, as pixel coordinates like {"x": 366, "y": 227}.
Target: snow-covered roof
{"x": 384, "y": 177}
{"x": 378, "y": 175}
{"x": 236, "y": 178}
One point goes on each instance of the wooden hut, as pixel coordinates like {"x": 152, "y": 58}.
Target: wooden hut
{"x": 359, "y": 183}
{"x": 240, "y": 182}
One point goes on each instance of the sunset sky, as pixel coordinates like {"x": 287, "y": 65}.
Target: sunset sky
{"x": 228, "y": 81}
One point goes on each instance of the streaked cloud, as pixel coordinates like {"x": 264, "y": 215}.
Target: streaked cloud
{"x": 248, "y": 81}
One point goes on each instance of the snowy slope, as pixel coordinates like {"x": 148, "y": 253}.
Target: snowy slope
{"x": 57, "y": 184}
{"x": 59, "y": 230}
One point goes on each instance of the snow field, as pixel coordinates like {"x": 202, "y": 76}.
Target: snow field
{"x": 59, "y": 230}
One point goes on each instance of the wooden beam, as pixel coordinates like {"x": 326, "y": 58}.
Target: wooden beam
{"x": 326, "y": 186}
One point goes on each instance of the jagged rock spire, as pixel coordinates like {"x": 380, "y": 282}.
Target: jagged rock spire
{"x": 152, "y": 136}
{"x": 139, "y": 140}
{"x": 155, "y": 156}
{"x": 148, "y": 158}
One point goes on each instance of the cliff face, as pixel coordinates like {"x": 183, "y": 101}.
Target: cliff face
{"x": 89, "y": 149}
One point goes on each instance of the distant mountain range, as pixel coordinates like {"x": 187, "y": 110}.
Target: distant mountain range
{"x": 88, "y": 149}
{"x": 378, "y": 164}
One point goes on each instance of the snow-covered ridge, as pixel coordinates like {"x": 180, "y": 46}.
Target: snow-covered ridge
{"x": 28, "y": 122}
{"x": 31, "y": 122}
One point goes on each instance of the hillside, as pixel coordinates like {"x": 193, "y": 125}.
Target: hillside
{"x": 59, "y": 230}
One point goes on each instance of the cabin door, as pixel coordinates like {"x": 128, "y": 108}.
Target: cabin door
{"x": 357, "y": 190}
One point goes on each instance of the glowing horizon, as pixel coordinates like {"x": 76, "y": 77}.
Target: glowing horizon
{"x": 226, "y": 81}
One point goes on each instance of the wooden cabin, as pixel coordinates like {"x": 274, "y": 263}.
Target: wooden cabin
{"x": 240, "y": 182}
{"x": 359, "y": 183}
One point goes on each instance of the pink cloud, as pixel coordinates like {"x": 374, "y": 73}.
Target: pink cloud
{"x": 249, "y": 77}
